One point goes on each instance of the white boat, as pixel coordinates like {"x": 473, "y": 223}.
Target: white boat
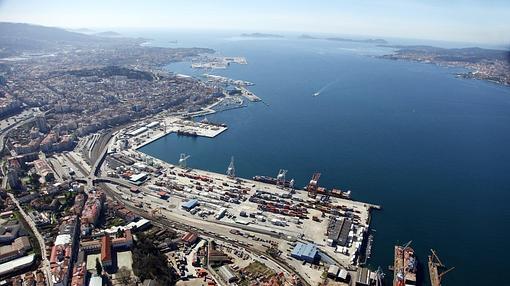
{"x": 316, "y": 94}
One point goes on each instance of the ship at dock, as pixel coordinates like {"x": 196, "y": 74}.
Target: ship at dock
{"x": 405, "y": 266}
{"x": 313, "y": 190}
{"x": 273, "y": 181}
{"x": 187, "y": 133}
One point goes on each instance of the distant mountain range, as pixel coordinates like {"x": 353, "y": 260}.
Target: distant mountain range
{"x": 307, "y": 37}
{"x": 108, "y": 34}
{"x": 16, "y": 38}
{"x": 82, "y": 30}
{"x": 261, "y": 35}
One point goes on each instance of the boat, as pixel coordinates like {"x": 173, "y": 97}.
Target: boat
{"x": 317, "y": 93}
{"x": 271, "y": 180}
{"x": 404, "y": 266}
{"x": 186, "y": 133}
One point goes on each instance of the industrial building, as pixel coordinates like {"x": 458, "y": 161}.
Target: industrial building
{"x": 189, "y": 205}
{"x": 189, "y": 238}
{"x": 152, "y": 124}
{"x": 137, "y": 131}
{"x": 333, "y": 271}
{"x": 364, "y": 277}
{"x": 17, "y": 264}
{"x": 306, "y": 252}
{"x": 227, "y": 274}
{"x": 340, "y": 233}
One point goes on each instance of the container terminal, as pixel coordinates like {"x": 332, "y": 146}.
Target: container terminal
{"x": 306, "y": 230}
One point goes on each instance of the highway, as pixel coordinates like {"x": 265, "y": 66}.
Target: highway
{"x": 5, "y": 126}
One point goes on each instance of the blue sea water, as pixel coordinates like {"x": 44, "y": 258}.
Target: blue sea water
{"x": 431, "y": 148}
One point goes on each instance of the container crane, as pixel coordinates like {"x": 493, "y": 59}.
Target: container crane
{"x": 280, "y": 179}
{"x": 183, "y": 160}
{"x": 435, "y": 265}
{"x": 231, "y": 170}
{"x": 312, "y": 186}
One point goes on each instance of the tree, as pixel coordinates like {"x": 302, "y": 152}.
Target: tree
{"x": 99, "y": 268}
{"x": 123, "y": 275}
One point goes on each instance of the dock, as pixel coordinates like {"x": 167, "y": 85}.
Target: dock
{"x": 172, "y": 124}
{"x": 249, "y": 95}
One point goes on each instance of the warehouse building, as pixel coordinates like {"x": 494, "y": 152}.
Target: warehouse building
{"x": 306, "y": 252}
{"x": 137, "y": 131}
{"x": 340, "y": 233}
{"x": 189, "y": 205}
{"x": 227, "y": 274}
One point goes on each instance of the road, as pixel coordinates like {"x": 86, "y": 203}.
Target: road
{"x": 45, "y": 263}
{"x": 5, "y": 127}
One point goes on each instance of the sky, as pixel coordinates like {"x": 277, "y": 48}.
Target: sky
{"x": 477, "y": 21}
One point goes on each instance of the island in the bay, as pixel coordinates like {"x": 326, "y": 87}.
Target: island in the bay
{"x": 341, "y": 39}
{"x": 261, "y": 35}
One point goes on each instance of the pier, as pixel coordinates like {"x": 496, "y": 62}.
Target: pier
{"x": 249, "y": 95}
{"x": 144, "y": 134}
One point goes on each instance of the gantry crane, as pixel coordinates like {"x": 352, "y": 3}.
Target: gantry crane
{"x": 435, "y": 265}
{"x": 231, "y": 170}
{"x": 183, "y": 160}
{"x": 312, "y": 186}
{"x": 280, "y": 178}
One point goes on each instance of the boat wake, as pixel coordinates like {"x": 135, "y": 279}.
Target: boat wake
{"x": 324, "y": 88}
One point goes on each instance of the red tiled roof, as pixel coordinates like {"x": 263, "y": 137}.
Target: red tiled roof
{"x": 106, "y": 248}
{"x": 189, "y": 237}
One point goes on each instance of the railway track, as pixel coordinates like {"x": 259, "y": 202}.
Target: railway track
{"x": 168, "y": 223}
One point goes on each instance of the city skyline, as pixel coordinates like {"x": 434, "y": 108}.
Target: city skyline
{"x": 456, "y": 21}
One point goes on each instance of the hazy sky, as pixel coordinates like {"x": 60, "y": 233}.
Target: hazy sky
{"x": 486, "y": 21}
